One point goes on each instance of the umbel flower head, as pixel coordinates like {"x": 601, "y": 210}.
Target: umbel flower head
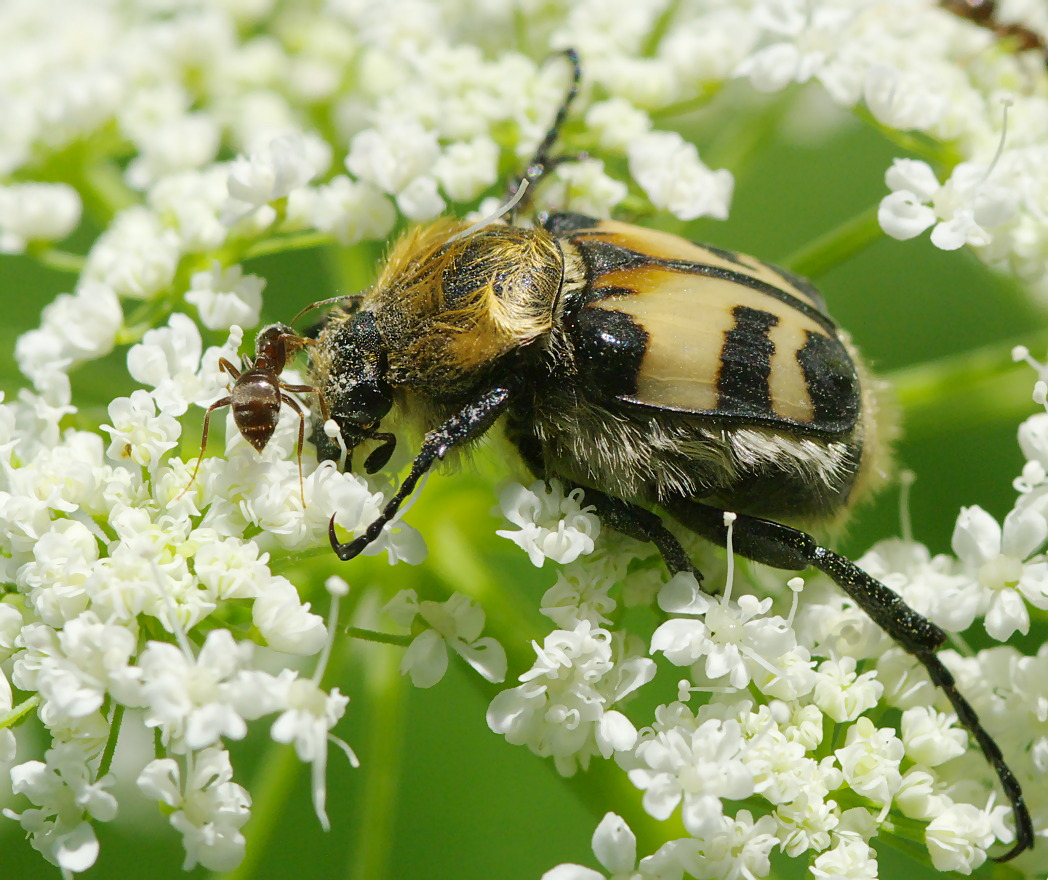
{"x": 174, "y": 175}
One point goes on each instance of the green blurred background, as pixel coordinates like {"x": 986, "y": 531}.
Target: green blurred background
{"x": 438, "y": 795}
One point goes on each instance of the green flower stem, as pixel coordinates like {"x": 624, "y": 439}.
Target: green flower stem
{"x": 11, "y": 717}
{"x": 102, "y": 189}
{"x": 270, "y": 794}
{"x": 60, "y": 261}
{"x": 110, "y": 749}
{"x": 968, "y": 390}
{"x": 836, "y": 246}
{"x": 369, "y": 852}
{"x": 370, "y": 635}
{"x": 299, "y": 241}
{"x": 512, "y": 621}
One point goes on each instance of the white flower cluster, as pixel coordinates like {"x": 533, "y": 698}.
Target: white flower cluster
{"x": 133, "y": 596}
{"x": 783, "y": 727}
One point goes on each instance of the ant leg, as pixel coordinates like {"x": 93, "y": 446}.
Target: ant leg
{"x": 787, "y": 548}
{"x": 309, "y": 389}
{"x": 226, "y": 367}
{"x": 468, "y": 424}
{"x": 218, "y": 404}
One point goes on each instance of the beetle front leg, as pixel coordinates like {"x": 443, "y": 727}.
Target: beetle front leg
{"x": 467, "y": 424}
{"x": 787, "y": 548}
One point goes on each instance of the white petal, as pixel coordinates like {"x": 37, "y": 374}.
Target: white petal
{"x": 485, "y": 655}
{"x": 683, "y": 595}
{"x": 616, "y": 733}
{"x": 1025, "y": 531}
{"x": 614, "y": 845}
{"x": 77, "y": 850}
{"x": 425, "y": 660}
{"x": 976, "y": 537}
{"x": 572, "y": 872}
{"x": 902, "y": 216}
{"x": 1006, "y": 614}
{"x": 912, "y": 175}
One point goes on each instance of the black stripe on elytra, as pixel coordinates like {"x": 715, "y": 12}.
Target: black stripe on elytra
{"x": 742, "y": 381}
{"x": 833, "y": 384}
{"x": 565, "y": 223}
{"x": 628, "y": 258}
{"x": 609, "y": 347}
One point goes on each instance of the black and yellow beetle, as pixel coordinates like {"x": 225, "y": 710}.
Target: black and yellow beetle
{"x": 652, "y": 372}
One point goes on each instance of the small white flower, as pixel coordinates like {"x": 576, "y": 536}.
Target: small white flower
{"x": 582, "y": 591}
{"x": 850, "y": 859}
{"x": 351, "y": 210}
{"x": 563, "y": 708}
{"x": 964, "y": 209}
{"x": 226, "y": 296}
{"x": 731, "y": 635}
{"x": 669, "y": 170}
{"x": 196, "y": 701}
{"x": 552, "y": 525}
{"x": 73, "y": 328}
{"x": 805, "y": 823}
{"x": 959, "y": 837}
{"x": 285, "y": 621}
{"x": 456, "y": 623}
{"x": 36, "y": 212}
{"x": 419, "y": 199}
{"x": 465, "y": 169}
{"x": 208, "y": 809}
{"x": 66, "y": 798}
{"x": 275, "y": 170}
{"x": 73, "y": 668}
{"x": 903, "y": 214}
{"x": 841, "y": 693}
{"x": 135, "y": 257}
{"x": 393, "y": 156}
{"x": 697, "y": 767}
{"x": 168, "y": 360}
{"x": 733, "y": 848}
{"x": 998, "y": 559}
{"x": 870, "y": 761}
{"x": 930, "y": 737}
{"x": 584, "y": 187}
{"x": 307, "y": 719}
{"x": 139, "y": 432}
{"x": 616, "y": 123}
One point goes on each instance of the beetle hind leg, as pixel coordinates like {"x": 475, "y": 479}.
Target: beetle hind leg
{"x": 788, "y": 548}
{"x": 642, "y": 525}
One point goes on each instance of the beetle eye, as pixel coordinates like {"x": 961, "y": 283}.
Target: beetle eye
{"x": 366, "y": 402}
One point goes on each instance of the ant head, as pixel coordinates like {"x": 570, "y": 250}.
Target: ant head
{"x": 273, "y": 345}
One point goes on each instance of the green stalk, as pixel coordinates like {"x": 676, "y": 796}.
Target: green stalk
{"x": 837, "y": 245}
{"x": 369, "y": 854}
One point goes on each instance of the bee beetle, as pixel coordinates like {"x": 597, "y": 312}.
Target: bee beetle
{"x": 653, "y": 373}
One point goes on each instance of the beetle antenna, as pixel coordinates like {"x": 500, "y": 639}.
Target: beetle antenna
{"x": 491, "y": 218}
{"x": 326, "y": 302}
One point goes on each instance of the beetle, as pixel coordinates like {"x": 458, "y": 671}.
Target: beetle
{"x": 651, "y": 372}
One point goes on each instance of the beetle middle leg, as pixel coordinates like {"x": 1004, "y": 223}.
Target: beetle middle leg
{"x": 788, "y": 548}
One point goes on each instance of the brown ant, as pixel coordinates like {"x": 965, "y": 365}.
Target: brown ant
{"x": 257, "y": 394}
